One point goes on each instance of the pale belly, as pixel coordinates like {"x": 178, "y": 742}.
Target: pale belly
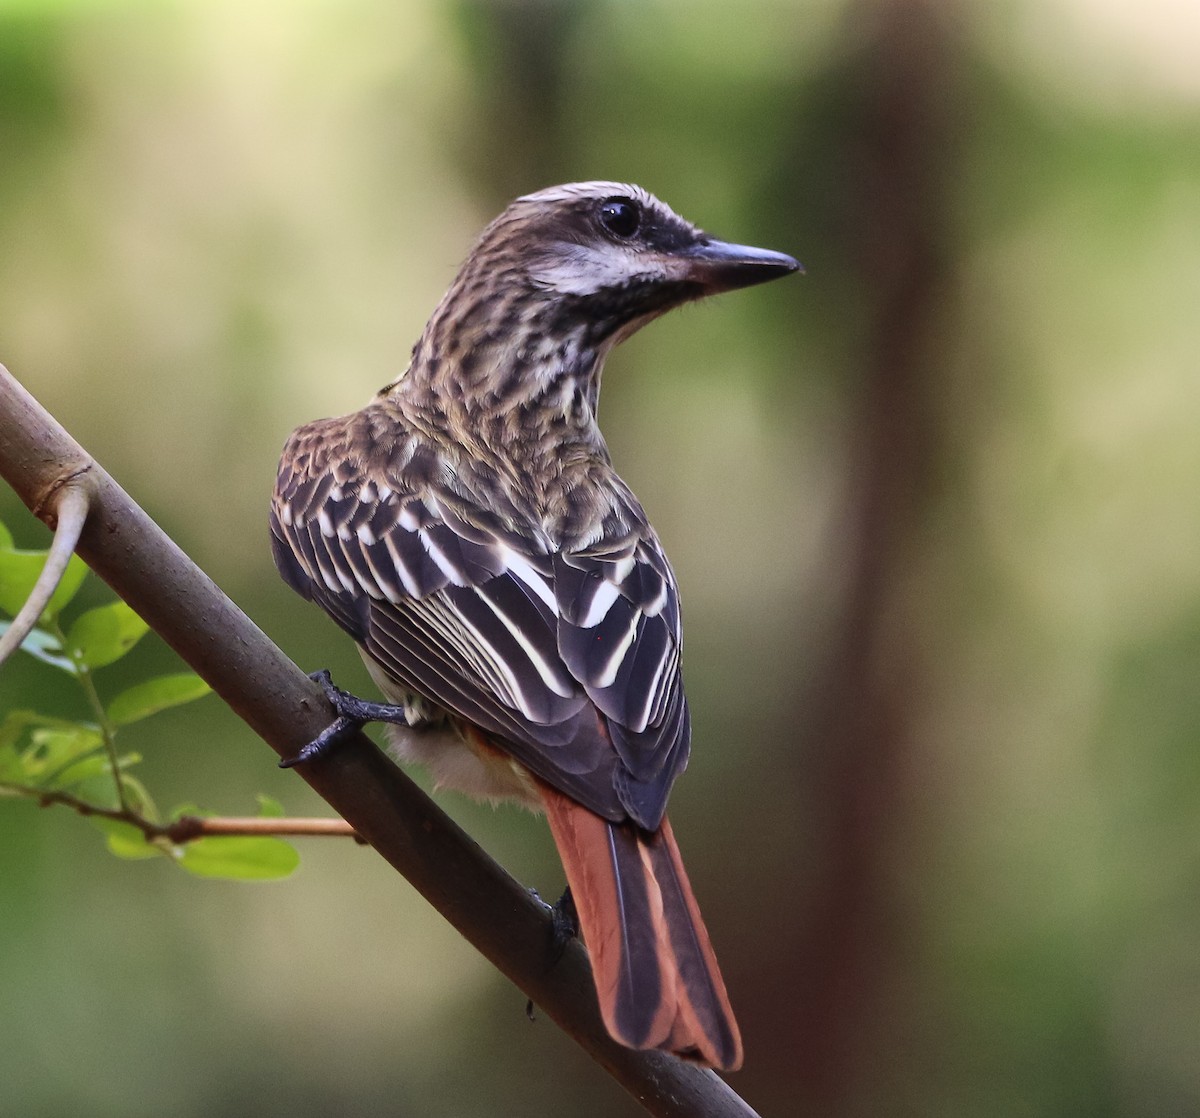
{"x": 457, "y": 758}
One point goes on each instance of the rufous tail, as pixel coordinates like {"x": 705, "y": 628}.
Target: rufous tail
{"x": 656, "y": 975}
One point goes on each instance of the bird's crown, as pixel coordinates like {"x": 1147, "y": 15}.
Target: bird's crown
{"x": 581, "y": 239}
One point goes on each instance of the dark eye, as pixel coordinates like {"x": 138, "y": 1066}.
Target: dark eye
{"x": 620, "y": 216}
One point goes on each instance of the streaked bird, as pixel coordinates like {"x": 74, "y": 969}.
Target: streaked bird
{"x": 506, "y": 589}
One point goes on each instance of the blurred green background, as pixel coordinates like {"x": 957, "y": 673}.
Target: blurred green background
{"x": 932, "y": 507}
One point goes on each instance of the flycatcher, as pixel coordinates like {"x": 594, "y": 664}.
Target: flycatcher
{"x": 506, "y": 589}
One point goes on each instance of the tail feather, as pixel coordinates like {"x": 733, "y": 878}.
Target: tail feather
{"x": 656, "y": 975}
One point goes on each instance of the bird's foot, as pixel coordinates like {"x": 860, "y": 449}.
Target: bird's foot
{"x": 360, "y": 710}
{"x": 564, "y": 923}
{"x": 565, "y": 918}
{"x": 352, "y": 714}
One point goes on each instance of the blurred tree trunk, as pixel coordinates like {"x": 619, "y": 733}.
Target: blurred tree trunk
{"x": 519, "y": 54}
{"x": 899, "y": 86}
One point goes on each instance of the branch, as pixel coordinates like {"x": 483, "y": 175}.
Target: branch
{"x": 188, "y": 828}
{"x": 72, "y": 501}
{"x": 287, "y": 709}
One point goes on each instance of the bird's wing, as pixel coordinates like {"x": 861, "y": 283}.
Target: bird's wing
{"x": 571, "y": 658}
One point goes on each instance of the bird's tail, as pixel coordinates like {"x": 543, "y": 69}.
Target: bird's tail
{"x": 654, "y": 968}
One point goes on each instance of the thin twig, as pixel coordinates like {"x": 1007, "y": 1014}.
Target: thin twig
{"x": 108, "y": 732}
{"x": 72, "y": 515}
{"x": 189, "y": 828}
{"x": 287, "y": 709}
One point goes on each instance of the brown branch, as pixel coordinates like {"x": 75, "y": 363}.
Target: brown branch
{"x": 188, "y": 828}
{"x": 46, "y": 798}
{"x": 287, "y": 709}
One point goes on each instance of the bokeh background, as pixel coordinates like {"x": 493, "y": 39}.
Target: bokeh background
{"x": 933, "y": 508}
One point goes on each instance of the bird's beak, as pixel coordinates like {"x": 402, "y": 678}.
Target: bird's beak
{"x": 719, "y": 266}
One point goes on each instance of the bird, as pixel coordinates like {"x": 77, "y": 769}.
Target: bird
{"x": 505, "y": 587}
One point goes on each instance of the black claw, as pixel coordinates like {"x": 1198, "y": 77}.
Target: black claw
{"x": 328, "y": 739}
{"x": 356, "y": 709}
{"x": 352, "y": 714}
{"x": 564, "y": 923}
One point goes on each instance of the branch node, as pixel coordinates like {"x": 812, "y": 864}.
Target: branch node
{"x": 71, "y": 501}
{"x": 46, "y": 506}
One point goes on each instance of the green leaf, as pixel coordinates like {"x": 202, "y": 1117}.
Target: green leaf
{"x": 125, "y": 840}
{"x": 160, "y": 693}
{"x": 269, "y": 807}
{"x": 6, "y": 540}
{"x": 10, "y": 771}
{"x": 54, "y": 750}
{"x": 16, "y": 722}
{"x": 91, "y": 779}
{"x": 18, "y": 756}
{"x": 80, "y": 769}
{"x": 12, "y": 729}
{"x": 19, "y": 571}
{"x": 136, "y": 795}
{"x": 45, "y": 647}
{"x": 105, "y": 634}
{"x": 239, "y": 858}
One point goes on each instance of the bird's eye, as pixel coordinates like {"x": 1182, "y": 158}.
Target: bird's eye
{"x": 620, "y": 216}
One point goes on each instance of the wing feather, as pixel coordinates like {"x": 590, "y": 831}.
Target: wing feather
{"x": 570, "y": 657}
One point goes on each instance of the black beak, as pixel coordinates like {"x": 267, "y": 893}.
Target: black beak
{"x": 719, "y": 266}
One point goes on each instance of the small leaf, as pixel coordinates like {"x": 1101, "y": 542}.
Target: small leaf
{"x": 105, "y": 634}
{"x": 125, "y": 840}
{"x": 12, "y": 729}
{"x": 239, "y": 858}
{"x": 91, "y": 779}
{"x": 16, "y": 722}
{"x": 19, "y": 571}
{"x": 28, "y": 757}
{"x": 45, "y": 647}
{"x": 11, "y": 773}
{"x": 81, "y": 769}
{"x": 136, "y": 795}
{"x": 160, "y": 693}
{"x": 269, "y": 807}
{"x": 54, "y": 750}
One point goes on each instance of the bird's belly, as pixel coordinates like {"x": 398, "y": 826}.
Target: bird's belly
{"x": 464, "y": 762}
{"x": 457, "y": 755}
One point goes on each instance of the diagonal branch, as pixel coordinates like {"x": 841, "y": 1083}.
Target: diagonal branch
{"x": 287, "y": 709}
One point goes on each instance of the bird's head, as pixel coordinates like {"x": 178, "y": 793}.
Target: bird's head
{"x": 557, "y": 280}
{"x": 613, "y": 254}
